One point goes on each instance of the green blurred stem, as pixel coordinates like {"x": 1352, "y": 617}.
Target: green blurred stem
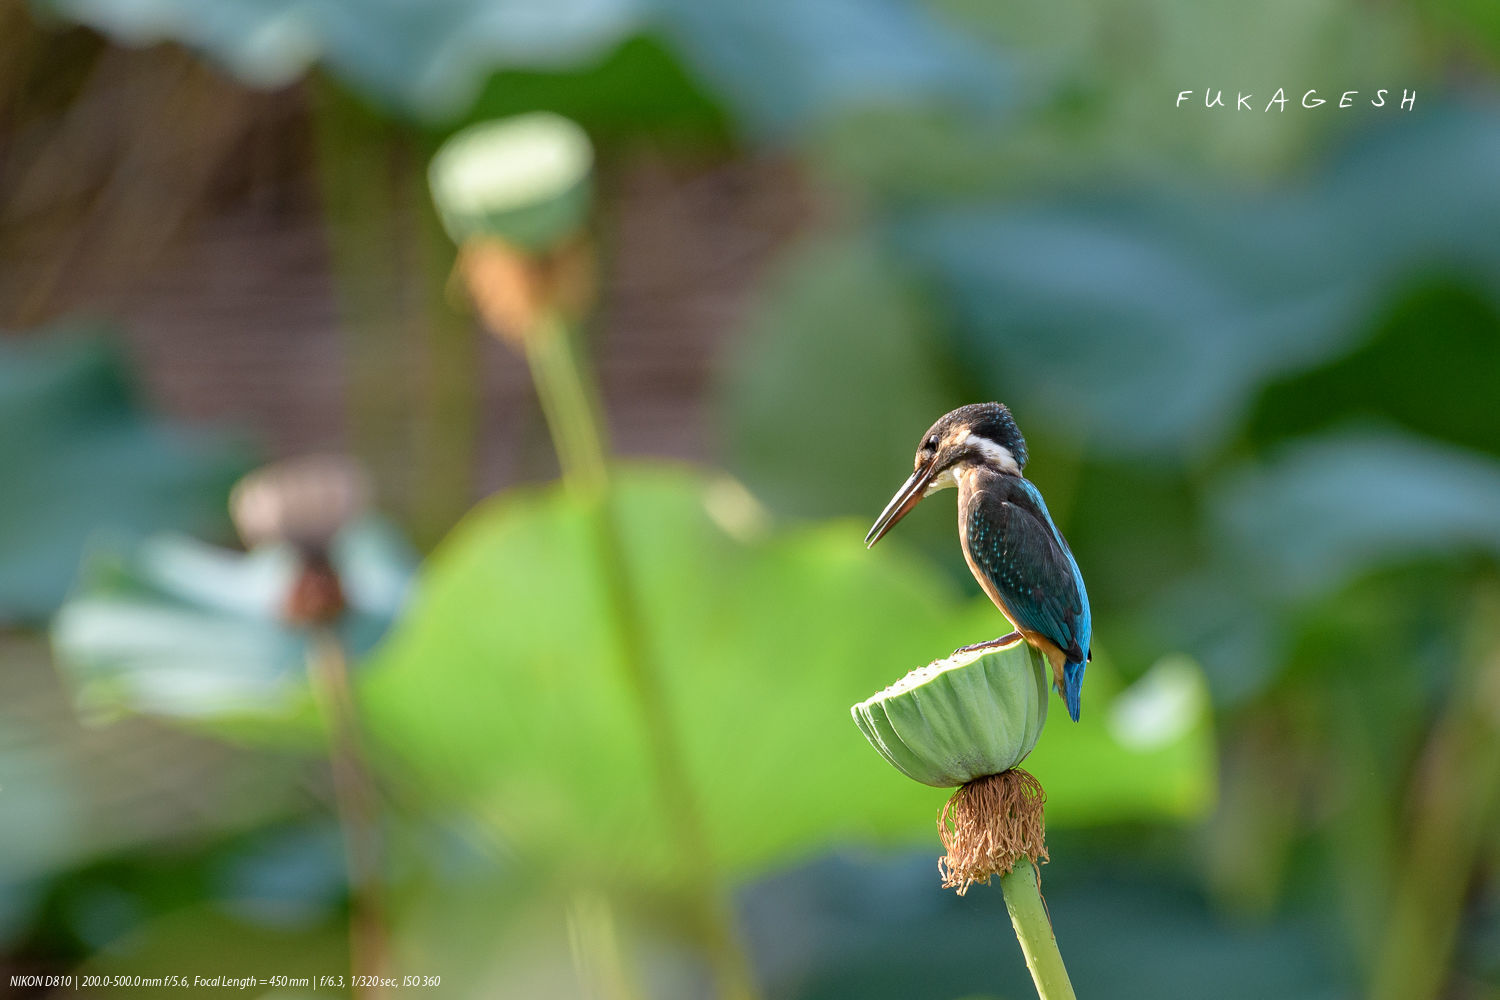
{"x": 569, "y": 401}
{"x": 1028, "y": 914}
{"x": 1453, "y": 804}
{"x": 1363, "y": 842}
{"x": 715, "y": 916}
{"x": 594, "y": 937}
{"x": 358, "y": 808}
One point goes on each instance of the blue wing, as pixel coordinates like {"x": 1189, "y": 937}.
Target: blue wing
{"x": 1013, "y": 542}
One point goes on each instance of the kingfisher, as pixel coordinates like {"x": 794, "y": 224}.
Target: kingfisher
{"x": 1008, "y": 539}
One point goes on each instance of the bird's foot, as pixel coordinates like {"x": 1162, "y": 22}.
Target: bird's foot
{"x": 1004, "y": 640}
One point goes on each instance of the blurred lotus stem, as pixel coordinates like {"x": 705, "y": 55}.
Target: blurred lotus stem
{"x": 969, "y": 720}
{"x": 594, "y": 939}
{"x": 514, "y": 195}
{"x": 304, "y": 503}
{"x": 1452, "y": 806}
{"x": 533, "y": 304}
{"x": 358, "y": 807}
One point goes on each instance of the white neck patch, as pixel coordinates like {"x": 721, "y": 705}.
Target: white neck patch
{"x": 994, "y": 454}
{"x": 942, "y": 481}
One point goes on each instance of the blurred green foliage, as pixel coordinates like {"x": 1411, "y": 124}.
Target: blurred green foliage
{"x": 85, "y": 806}
{"x": 173, "y": 627}
{"x": 890, "y": 936}
{"x": 1262, "y": 409}
{"x": 432, "y": 61}
{"x": 1134, "y": 333}
{"x": 81, "y": 459}
{"x": 503, "y": 691}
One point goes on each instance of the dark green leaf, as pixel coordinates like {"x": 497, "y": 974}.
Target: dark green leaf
{"x": 80, "y": 458}
{"x": 1146, "y": 321}
{"x": 1331, "y": 507}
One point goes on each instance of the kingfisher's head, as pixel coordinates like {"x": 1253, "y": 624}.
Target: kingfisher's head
{"x": 978, "y": 434}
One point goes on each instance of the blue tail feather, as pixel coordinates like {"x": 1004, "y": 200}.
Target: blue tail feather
{"x": 1073, "y": 688}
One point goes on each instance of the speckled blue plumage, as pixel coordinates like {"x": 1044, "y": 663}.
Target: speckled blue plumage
{"x": 1013, "y": 547}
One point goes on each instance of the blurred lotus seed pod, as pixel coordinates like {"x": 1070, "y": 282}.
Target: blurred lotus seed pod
{"x": 300, "y": 501}
{"x": 526, "y": 181}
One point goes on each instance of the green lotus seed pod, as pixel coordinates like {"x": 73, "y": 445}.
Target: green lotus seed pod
{"x": 525, "y": 180}
{"x": 955, "y": 720}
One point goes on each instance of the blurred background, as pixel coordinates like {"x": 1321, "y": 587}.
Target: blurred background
{"x": 1256, "y": 355}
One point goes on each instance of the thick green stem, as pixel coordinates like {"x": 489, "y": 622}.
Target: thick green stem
{"x": 569, "y": 402}
{"x": 1028, "y": 914}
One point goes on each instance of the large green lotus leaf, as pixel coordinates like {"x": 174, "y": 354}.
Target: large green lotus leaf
{"x": 80, "y": 458}
{"x": 503, "y": 688}
{"x": 173, "y": 627}
{"x": 1142, "y": 751}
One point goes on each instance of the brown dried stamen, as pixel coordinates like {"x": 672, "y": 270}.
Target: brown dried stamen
{"x": 990, "y": 824}
{"x": 512, "y": 288}
{"x": 317, "y": 595}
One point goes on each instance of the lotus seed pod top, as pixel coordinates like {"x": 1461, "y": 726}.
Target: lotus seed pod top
{"x": 974, "y": 714}
{"x": 523, "y": 180}
{"x": 302, "y": 501}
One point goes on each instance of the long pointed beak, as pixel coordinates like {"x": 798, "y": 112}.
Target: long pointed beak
{"x": 905, "y": 499}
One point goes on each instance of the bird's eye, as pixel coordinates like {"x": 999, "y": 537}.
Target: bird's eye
{"x": 930, "y": 444}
